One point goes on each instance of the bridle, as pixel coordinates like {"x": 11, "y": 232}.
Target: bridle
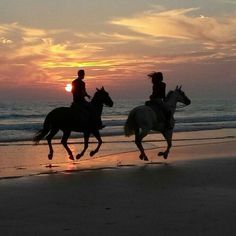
{"x": 180, "y": 106}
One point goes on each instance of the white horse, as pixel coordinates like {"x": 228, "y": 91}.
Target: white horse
{"x": 142, "y": 119}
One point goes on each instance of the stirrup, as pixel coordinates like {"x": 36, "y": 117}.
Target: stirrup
{"x": 169, "y": 126}
{"x": 102, "y": 126}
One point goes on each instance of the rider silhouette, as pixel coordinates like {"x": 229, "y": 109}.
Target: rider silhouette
{"x": 158, "y": 96}
{"x": 159, "y": 87}
{"x": 78, "y": 88}
{"x": 79, "y": 93}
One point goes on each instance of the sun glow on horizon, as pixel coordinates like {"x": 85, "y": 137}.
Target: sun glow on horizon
{"x": 117, "y": 48}
{"x": 68, "y": 88}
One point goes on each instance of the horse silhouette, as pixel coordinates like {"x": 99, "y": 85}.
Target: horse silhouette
{"x": 142, "y": 119}
{"x": 68, "y": 119}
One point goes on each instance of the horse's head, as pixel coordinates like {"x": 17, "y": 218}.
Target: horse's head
{"x": 103, "y": 97}
{"x": 181, "y": 97}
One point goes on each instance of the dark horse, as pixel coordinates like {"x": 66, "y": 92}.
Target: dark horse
{"x": 66, "y": 119}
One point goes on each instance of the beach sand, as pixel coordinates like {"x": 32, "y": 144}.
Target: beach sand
{"x": 191, "y": 193}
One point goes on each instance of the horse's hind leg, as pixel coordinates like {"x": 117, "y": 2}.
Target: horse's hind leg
{"x": 66, "y": 135}
{"x": 49, "y": 140}
{"x": 138, "y": 141}
{"x": 86, "y": 139}
{"x": 99, "y": 139}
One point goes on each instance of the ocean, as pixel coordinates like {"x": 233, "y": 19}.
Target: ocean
{"x": 20, "y": 120}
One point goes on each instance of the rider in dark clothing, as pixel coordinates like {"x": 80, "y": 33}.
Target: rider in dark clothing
{"x": 158, "y": 96}
{"x": 78, "y": 88}
{"x": 79, "y": 93}
{"x": 158, "y": 88}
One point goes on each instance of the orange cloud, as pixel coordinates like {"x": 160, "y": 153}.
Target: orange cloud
{"x": 142, "y": 43}
{"x": 179, "y": 24}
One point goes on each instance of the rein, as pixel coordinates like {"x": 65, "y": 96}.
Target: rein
{"x": 181, "y": 106}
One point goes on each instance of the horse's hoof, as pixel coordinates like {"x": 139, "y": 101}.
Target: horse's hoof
{"x": 92, "y": 153}
{"x": 141, "y": 157}
{"x": 78, "y": 156}
{"x": 161, "y": 154}
{"x": 71, "y": 157}
{"x": 164, "y": 154}
{"x": 50, "y": 155}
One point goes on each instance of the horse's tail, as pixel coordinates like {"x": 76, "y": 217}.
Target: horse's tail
{"x": 42, "y": 133}
{"x": 129, "y": 124}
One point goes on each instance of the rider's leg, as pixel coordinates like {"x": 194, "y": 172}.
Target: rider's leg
{"x": 95, "y": 118}
{"x": 169, "y": 124}
{"x": 168, "y": 115}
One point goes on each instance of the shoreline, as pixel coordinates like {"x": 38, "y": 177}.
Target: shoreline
{"x": 27, "y": 160}
{"x": 106, "y": 135}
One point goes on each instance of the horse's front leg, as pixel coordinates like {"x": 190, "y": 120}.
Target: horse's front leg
{"x": 168, "y": 136}
{"x": 138, "y": 141}
{"x": 86, "y": 140}
{"x": 66, "y": 135}
{"x": 99, "y": 139}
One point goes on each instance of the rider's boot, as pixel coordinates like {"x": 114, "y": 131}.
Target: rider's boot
{"x": 100, "y": 124}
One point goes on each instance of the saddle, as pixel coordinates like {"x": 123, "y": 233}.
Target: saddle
{"x": 157, "y": 109}
{"x": 82, "y": 114}
{"x": 163, "y": 115}
{"x": 85, "y": 116}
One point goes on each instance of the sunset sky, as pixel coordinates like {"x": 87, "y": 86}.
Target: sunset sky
{"x": 43, "y": 44}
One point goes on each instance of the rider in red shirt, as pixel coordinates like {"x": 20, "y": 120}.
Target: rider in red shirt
{"x": 78, "y": 88}
{"x": 79, "y": 93}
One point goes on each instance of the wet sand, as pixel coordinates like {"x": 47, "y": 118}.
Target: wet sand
{"x": 24, "y": 159}
{"x": 191, "y": 193}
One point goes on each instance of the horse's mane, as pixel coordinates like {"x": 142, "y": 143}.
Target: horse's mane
{"x": 95, "y": 96}
{"x": 168, "y": 95}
